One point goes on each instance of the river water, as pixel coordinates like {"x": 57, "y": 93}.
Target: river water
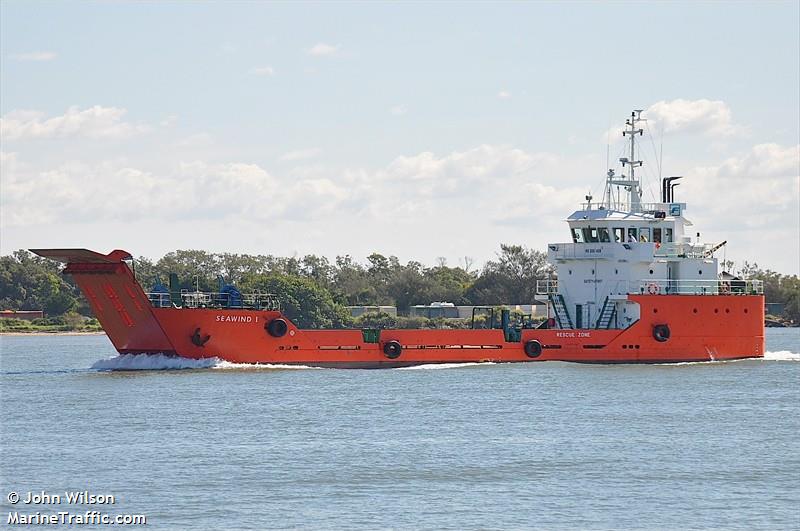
{"x": 538, "y": 445}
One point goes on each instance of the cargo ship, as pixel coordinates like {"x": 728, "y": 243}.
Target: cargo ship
{"x": 632, "y": 286}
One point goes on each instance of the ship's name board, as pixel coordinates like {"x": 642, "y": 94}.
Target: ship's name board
{"x": 237, "y": 319}
{"x": 593, "y": 250}
{"x": 573, "y": 334}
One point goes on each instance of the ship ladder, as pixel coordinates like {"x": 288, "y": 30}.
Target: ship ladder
{"x": 607, "y": 314}
{"x": 560, "y": 310}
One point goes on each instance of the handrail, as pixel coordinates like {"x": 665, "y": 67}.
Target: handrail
{"x": 201, "y": 299}
{"x": 670, "y": 287}
{"x": 625, "y": 206}
{"x": 696, "y": 287}
{"x": 594, "y": 250}
{"x": 546, "y": 287}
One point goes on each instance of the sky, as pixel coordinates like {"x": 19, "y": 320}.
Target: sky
{"x": 409, "y": 129}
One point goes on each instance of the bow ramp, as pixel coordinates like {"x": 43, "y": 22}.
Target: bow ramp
{"x": 117, "y": 300}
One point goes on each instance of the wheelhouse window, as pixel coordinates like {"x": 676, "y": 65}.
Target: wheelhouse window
{"x": 656, "y": 235}
{"x": 619, "y": 234}
{"x": 577, "y": 236}
{"x": 602, "y": 233}
{"x": 632, "y": 235}
{"x": 644, "y": 234}
{"x": 668, "y": 235}
{"x": 590, "y": 234}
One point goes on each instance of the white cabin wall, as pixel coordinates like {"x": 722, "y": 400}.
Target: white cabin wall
{"x": 588, "y": 282}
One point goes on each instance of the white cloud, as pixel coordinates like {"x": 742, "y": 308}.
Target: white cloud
{"x": 760, "y": 186}
{"x": 94, "y": 122}
{"x": 706, "y": 117}
{"x": 196, "y": 140}
{"x": 262, "y": 71}
{"x": 323, "y": 50}
{"x": 463, "y": 201}
{"x": 751, "y": 200}
{"x": 301, "y": 154}
{"x": 763, "y": 162}
{"x": 504, "y": 95}
{"x": 169, "y": 120}
{"x": 692, "y": 116}
{"x": 192, "y": 191}
{"x": 234, "y": 190}
{"x": 35, "y": 56}
{"x": 398, "y": 110}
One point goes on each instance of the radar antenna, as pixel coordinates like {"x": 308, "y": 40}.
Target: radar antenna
{"x": 630, "y": 182}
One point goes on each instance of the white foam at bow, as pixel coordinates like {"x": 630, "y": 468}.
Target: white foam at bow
{"x": 152, "y": 362}
{"x": 782, "y": 355}
{"x": 222, "y": 364}
{"x": 160, "y": 362}
{"x": 435, "y": 366}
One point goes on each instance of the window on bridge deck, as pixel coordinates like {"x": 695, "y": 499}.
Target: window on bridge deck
{"x": 657, "y": 235}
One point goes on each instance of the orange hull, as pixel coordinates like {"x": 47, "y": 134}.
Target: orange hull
{"x": 703, "y": 328}
{"x": 702, "y": 336}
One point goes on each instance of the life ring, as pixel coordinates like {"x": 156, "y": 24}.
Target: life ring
{"x": 653, "y": 289}
{"x": 277, "y": 327}
{"x": 533, "y": 349}
{"x": 199, "y": 340}
{"x": 392, "y": 349}
{"x": 661, "y": 333}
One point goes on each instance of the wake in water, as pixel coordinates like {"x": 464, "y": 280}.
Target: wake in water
{"x": 434, "y": 366}
{"x": 152, "y": 362}
{"x": 161, "y": 362}
{"x": 782, "y": 355}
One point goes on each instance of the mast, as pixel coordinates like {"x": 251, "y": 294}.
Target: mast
{"x": 630, "y": 182}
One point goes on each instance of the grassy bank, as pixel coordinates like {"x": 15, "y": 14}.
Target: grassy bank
{"x": 49, "y": 325}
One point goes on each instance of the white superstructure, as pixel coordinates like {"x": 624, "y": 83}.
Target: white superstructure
{"x": 622, "y": 246}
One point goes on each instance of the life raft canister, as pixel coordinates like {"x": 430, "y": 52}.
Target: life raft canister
{"x": 277, "y": 327}
{"x": 533, "y": 349}
{"x": 392, "y": 349}
{"x": 661, "y": 333}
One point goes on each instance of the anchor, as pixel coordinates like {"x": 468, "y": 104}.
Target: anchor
{"x": 198, "y": 340}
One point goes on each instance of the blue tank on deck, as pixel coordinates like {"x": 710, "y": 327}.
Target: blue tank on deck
{"x": 231, "y": 297}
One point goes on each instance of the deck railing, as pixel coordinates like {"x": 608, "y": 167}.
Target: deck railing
{"x": 697, "y": 287}
{"x": 626, "y": 206}
{"x": 637, "y": 250}
{"x": 201, "y": 299}
{"x": 670, "y": 287}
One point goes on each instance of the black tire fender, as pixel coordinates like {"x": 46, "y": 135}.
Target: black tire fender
{"x": 533, "y": 349}
{"x": 277, "y": 327}
{"x": 392, "y": 349}
{"x": 661, "y": 333}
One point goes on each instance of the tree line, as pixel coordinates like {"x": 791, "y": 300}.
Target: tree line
{"x": 314, "y": 290}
